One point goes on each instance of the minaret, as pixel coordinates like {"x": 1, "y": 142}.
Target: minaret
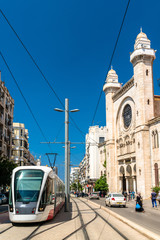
{"x": 110, "y": 87}
{"x": 142, "y": 59}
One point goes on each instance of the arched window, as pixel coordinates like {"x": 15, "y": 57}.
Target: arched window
{"x": 156, "y": 139}
{"x": 153, "y": 139}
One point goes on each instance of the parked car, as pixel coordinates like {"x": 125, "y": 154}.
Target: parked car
{"x": 3, "y": 198}
{"x": 115, "y": 199}
{"x": 94, "y": 195}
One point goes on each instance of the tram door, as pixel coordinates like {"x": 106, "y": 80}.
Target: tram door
{"x": 124, "y": 183}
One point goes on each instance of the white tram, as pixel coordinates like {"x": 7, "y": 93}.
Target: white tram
{"x": 36, "y": 194}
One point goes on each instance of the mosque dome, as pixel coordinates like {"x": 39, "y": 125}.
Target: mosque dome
{"x": 112, "y": 76}
{"x": 141, "y": 35}
{"x": 142, "y": 41}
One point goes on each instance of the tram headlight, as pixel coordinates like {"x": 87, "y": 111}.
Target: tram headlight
{"x": 41, "y": 209}
{"x": 11, "y": 208}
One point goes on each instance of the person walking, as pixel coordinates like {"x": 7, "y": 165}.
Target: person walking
{"x": 158, "y": 197}
{"x": 139, "y": 203}
{"x": 153, "y": 198}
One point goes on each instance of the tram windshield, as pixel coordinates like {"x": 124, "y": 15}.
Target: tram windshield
{"x": 27, "y": 185}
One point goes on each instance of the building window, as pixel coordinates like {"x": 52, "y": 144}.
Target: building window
{"x": 147, "y": 72}
{"x": 127, "y": 115}
{"x": 148, "y": 101}
{"x": 101, "y": 139}
{"x": 21, "y": 153}
{"x": 155, "y": 139}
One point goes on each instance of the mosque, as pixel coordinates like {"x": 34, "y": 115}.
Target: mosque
{"x": 133, "y": 125}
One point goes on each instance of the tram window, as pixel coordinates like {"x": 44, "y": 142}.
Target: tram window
{"x": 27, "y": 185}
{"x": 48, "y": 194}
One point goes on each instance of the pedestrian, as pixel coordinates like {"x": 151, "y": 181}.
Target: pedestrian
{"x": 153, "y": 198}
{"x": 125, "y": 194}
{"x": 158, "y": 197}
{"x": 128, "y": 195}
{"x": 139, "y": 203}
{"x": 133, "y": 194}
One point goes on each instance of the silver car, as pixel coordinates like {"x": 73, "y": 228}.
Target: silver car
{"x": 115, "y": 199}
{"x": 94, "y": 195}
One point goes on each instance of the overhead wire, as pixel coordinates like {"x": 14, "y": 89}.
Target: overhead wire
{"x": 44, "y": 77}
{"x": 115, "y": 46}
{"x": 24, "y": 98}
{"x": 83, "y": 134}
{"x": 35, "y": 63}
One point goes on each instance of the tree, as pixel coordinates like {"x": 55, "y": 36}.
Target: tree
{"x": 74, "y": 186}
{"x": 6, "y": 167}
{"x": 156, "y": 189}
{"x": 101, "y": 184}
{"x": 104, "y": 164}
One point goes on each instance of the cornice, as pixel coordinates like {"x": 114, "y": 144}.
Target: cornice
{"x": 124, "y": 89}
{"x": 154, "y": 121}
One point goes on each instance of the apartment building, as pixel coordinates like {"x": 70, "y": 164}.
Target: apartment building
{"x": 91, "y": 167}
{"x": 6, "y": 120}
{"x": 20, "y": 146}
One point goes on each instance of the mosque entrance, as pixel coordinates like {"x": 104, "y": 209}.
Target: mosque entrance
{"x": 127, "y": 178}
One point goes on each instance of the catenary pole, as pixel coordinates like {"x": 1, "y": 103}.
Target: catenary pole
{"x": 66, "y": 156}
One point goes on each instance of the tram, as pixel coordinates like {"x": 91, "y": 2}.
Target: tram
{"x": 36, "y": 194}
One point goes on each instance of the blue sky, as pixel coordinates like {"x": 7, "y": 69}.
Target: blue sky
{"x": 72, "y": 42}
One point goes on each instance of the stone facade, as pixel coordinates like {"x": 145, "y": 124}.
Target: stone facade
{"x": 6, "y": 120}
{"x": 132, "y": 121}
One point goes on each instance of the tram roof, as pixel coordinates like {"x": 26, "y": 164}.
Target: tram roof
{"x": 43, "y": 168}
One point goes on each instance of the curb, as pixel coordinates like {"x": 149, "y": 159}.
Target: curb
{"x": 143, "y": 231}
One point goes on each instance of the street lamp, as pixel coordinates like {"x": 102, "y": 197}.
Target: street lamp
{"x": 67, "y": 146}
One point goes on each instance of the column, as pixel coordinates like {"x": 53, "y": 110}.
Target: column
{"x": 134, "y": 184}
{"x": 120, "y": 184}
{"x": 126, "y": 184}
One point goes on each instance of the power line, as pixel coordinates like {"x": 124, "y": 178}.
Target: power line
{"x": 111, "y": 60}
{"x": 24, "y": 98}
{"x": 33, "y": 60}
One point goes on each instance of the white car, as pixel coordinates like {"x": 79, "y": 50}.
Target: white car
{"x": 115, "y": 199}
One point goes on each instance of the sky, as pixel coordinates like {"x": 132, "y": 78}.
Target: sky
{"x": 72, "y": 42}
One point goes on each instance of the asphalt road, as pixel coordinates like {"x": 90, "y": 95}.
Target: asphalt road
{"x": 150, "y": 219}
{"x": 3, "y": 208}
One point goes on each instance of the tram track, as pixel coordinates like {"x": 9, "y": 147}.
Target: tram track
{"x": 106, "y": 221}
{"x": 6, "y": 229}
{"x": 83, "y": 226}
{"x": 33, "y": 232}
